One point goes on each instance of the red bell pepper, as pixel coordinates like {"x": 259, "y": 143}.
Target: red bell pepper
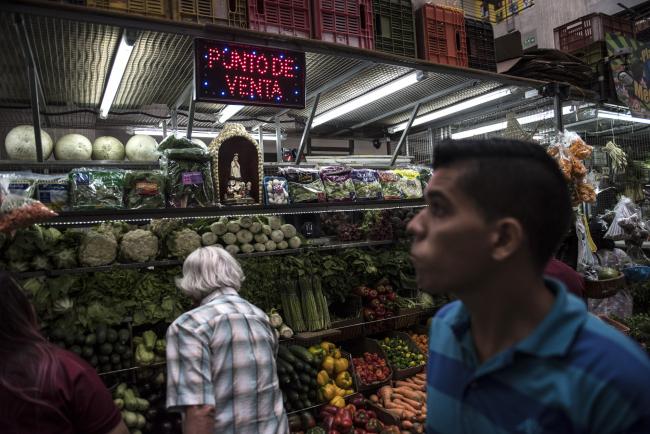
{"x": 361, "y": 418}
{"x": 374, "y": 425}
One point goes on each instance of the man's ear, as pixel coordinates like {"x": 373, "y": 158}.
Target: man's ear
{"x": 507, "y": 238}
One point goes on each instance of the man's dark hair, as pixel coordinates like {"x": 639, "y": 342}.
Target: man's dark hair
{"x": 513, "y": 178}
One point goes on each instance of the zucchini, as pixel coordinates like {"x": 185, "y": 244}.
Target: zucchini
{"x": 287, "y": 355}
{"x": 286, "y": 367}
{"x": 303, "y": 398}
{"x": 280, "y": 368}
{"x": 300, "y": 366}
{"x": 305, "y": 379}
{"x": 304, "y": 388}
{"x": 293, "y": 396}
{"x": 285, "y": 379}
{"x": 302, "y": 353}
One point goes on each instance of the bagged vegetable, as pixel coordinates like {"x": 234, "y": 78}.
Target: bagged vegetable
{"x": 409, "y": 183}
{"x": 366, "y": 184}
{"x": 20, "y": 183}
{"x": 96, "y": 188}
{"x": 18, "y": 212}
{"x": 390, "y": 185}
{"x": 338, "y": 183}
{"x": 188, "y": 176}
{"x": 305, "y": 185}
{"x": 53, "y": 191}
{"x": 144, "y": 189}
{"x": 276, "y": 190}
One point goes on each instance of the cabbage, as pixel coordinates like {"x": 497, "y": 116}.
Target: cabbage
{"x": 277, "y": 236}
{"x": 283, "y": 245}
{"x": 233, "y": 227}
{"x": 288, "y": 230}
{"x": 108, "y": 148}
{"x": 142, "y": 148}
{"x": 275, "y": 222}
{"x": 139, "y": 246}
{"x": 65, "y": 258}
{"x": 261, "y": 238}
{"x": 20, "y": 143}
{"x": 260, "y": 247}
{"x": 244, "y": 236}
{"x": 209, "y": 238}
{"x": 295, "y": 242}
{"x": 73, "y": 147}
{"x": 41, "y": 262}
{"x": 233, "y": 249}
{"x": 218, "y": 228}
{"x": 247, "y": 248}
{"x": 255, "y": 228}
{"x": 245, "y": 222}
{"x": 229, "y": 238}
{"x": 270, "y": 245}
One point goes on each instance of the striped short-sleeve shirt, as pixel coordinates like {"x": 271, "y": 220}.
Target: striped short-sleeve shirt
{"x": 223, "y": 354}
{"x": 573, "y": 374}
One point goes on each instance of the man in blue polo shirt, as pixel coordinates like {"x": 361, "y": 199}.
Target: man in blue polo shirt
{"x": 516, "y": 353}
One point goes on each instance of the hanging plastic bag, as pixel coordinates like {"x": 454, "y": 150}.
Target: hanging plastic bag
{"x": 623, "y": 210}
{"x": 17, "y": 211}
{"x": 587, "y": 261}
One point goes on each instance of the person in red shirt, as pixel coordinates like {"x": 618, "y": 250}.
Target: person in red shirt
{"x": 45, "y": 389}
{"x": 573, "y": 280}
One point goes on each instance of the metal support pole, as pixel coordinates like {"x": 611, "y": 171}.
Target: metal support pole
{"x": 260, "y": 133}
{"x": 190, "y": 119}
{"x": 174, "y": 119}
{"x": 164, "y": 128}
{"x": 558, "y": 112}
{"x": 278, "y": 141}
{"x": 305, "y": 133}
{"x": 402, "y": 139}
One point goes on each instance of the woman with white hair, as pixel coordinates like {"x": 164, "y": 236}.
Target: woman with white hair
{"x": 221, "y": 368}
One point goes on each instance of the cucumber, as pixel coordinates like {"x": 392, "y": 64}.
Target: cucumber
{"x": 300, "y": 366}
{"x": 293, "y": 396}
{"x": 285, "y": 379}
{"x": 284, "y": 353}
{"x": 280, "y": 368}
{"x": 301, "y": 353}
{"x": 305, "y": 379}
{"x": 286, "y": 366}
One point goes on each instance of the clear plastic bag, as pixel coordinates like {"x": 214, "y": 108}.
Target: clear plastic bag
{"x": 96, "y": 189}
{"x": 366, "y": 184}
{"x": 587, "y": 261}
{"x": 17, "y": 211}
{"x": 624, "y": 209}
{"x": 305, "y": 185}
{"x": 338, "y": 184}
{"x": 276, "y": 190}
{"x": 409, "y": 183}
{"x": 390, "y": 185}
{"x": 53, "y": 191}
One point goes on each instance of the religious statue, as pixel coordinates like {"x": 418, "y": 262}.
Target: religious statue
{"x": 238, "y": 190}
{"x": 235, "y": 169}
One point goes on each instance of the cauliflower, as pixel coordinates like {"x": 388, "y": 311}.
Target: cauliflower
{"x": 97, "y": 248}
{"x": 162, "y": 228}
{"x": 139, "y": 246}
{"x": 183, "y": 242}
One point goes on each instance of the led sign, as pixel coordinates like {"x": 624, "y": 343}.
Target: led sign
{"x": 247, "y": 75}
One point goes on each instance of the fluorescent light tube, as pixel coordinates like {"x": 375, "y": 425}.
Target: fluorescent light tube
{"x": 228, "y": 112}
{"x": 115, "y": 77}
{"x": 621, "y": 117}
{"x": 467, "y": 104}
{"x": 537, "y": 117}
{"x": 198, "y": 134}
{"x": 365, "y": 99}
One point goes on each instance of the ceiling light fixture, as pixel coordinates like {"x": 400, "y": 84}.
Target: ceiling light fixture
{"x": 499, "y": 126}
{"x": 621, "y": 117}
{"x": 198, "y": 134}
{"x": 117, "y": 72}
{"x": 367, "y": 98}
{"x": 228, "y": 112}
{"x": 439, "y": 114}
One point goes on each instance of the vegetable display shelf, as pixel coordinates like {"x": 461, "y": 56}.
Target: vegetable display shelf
{"x": 132, "y": 368}
{"x": 84, "y": 218}
{"x": 175, "y": 262}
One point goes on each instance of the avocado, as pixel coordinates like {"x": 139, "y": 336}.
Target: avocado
{"x": 76, "y": 349}
{"x": 111, "y": 335}
{"x": 79, "y": 339}
{"x": 87, "y": 352}
{"x": 106, "y": 368}
{"x": 91, "y": 339}
{"x": 100, "y": 331}
{"x": 123, "y": 336}
{"x": 94, "y": 360}
{"x": 119, "y": 348}
{"x": 115, "y": 359}
{"x": 106, "y": 349}
{"x": 69, "y": 339}
{"x": 58, "y": 334}
{"x": 104, "y": 359}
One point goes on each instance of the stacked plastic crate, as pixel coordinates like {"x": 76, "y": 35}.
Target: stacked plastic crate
{"x": 480, "y": 45}
{"x": 441, "y": 35}
{"x": 283, "y": 17}
{"x": 585, "y": 39}
{"x": 394, "y": 27}
{"x": 231, "y": 12}
{"x": 149, "y": 8}
{"x": 347, "y": 22}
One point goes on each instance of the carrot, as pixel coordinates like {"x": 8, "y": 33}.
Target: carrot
{"x": 404, "y": 384}
{"x": 409, "y": 393}
{"x": 396, "y": 413}
{"x": 405, "y": 406}
{"x": 415, "y": 404}
{"x": 407, "y": 424}
{"x": 421, "y": 375}
{"x": 418, "y": 428}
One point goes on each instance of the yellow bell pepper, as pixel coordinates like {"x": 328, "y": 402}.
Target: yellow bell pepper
{"x": 349, "y": 392}
{"x": 341, "y": 365}
{"x": 338, "y": 402}
{"x": 344, "y": 380}
{"x": 328, "y": 365}
{"x": 336, "y": 353}
{"x": 327, "y": 346}
{"x": 322, "y": 378}
{"x": 339, "y": 392}
{"x": 329, "y": 391}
